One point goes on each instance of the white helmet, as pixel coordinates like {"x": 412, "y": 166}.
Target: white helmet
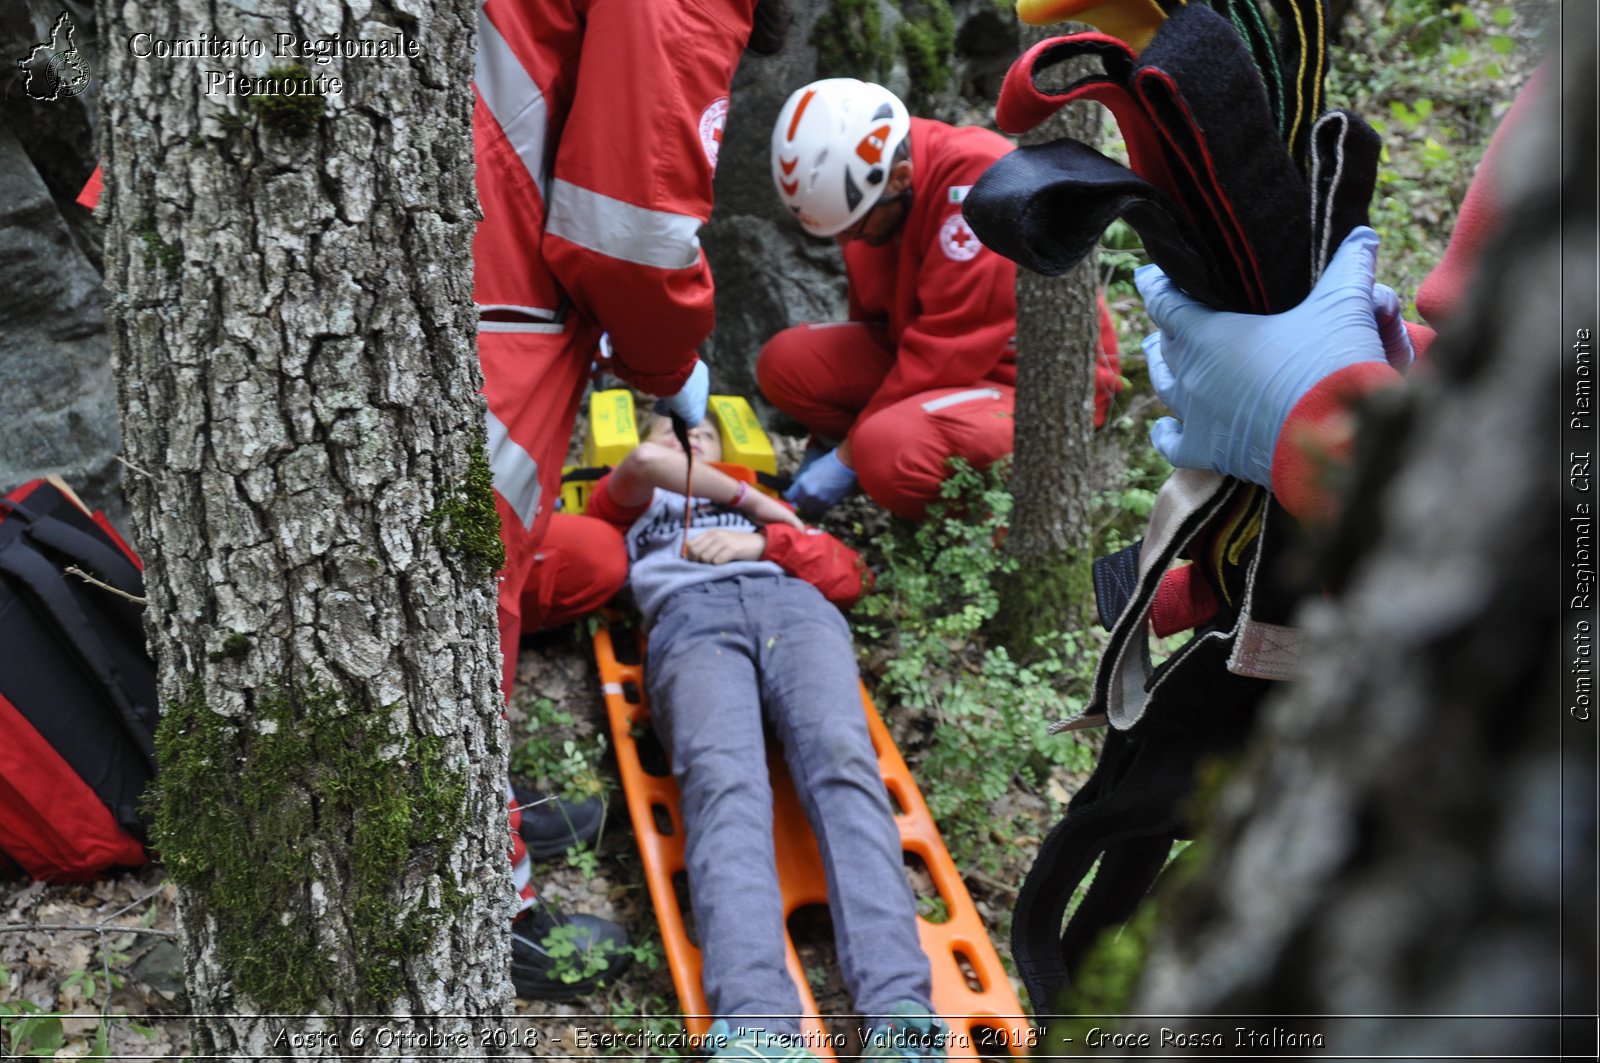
{"x": 832, "y": 150}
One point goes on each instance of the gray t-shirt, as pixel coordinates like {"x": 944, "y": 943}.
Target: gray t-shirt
{"x": 655, "y": 538}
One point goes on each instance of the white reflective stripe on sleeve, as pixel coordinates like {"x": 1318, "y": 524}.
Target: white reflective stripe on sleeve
{"x": 958, "y": 397}
{"x": 521, "y": 326}
{"x": 621, "y": 230}
{"x": 542, "y": 313}
{"x": 522, "y": 878}
{"x": 516, "y": 474}
{"x": 512, "y": 97}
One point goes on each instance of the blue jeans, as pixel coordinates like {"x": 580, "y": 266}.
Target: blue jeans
{"x": 725, "y": 656}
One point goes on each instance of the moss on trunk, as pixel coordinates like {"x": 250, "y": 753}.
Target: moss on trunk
{"x": 269, "y": 820}
{"x": 1043, "y": 596}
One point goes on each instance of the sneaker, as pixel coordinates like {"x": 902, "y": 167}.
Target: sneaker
{"x": 560, "y": 957}
{"x": 552, "y": 825}
{"x": 910, "y": 1032}
{"x": 748, "y": 1043}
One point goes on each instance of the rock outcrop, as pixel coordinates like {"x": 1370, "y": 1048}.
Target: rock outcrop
{"x": 57, "y": 395}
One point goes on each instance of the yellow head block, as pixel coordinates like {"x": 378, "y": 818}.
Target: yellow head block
{"x": 613, "y": 429}
{"x": 744, "y": 441}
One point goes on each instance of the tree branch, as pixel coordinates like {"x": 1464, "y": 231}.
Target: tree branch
{"x": 99, "y": 928}
{"x": 81, "y": 574}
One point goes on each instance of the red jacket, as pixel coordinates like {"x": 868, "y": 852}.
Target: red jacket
{"x": 810, "y": 554}
{"x": 1319, "y": 428}
{"x": 598, "y": 124}
{"x": 949, "y": 302}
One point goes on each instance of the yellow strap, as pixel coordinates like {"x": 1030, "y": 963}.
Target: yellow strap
{"x": 1306, "y": 109}
{"x": 1132, "y": 21}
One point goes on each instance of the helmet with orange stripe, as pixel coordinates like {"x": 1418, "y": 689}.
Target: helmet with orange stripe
{"x": 832, "y": 149}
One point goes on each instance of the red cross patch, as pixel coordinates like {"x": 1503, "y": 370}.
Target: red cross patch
{"x": 957, "y": 239}
{"x": 712, "y": 121}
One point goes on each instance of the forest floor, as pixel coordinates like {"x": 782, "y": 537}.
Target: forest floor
{"x": 79, "y": 962}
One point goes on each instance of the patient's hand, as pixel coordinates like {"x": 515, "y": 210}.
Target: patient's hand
{"x": 720, "y": 546}
{"x": 764, "y": 510}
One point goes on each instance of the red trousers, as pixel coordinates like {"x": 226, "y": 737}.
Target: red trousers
{"x": 580, "y": 565}
{"x": 533, "y": 380}
{"x": 558, "y": 565}
{"x": 825, "y": 375}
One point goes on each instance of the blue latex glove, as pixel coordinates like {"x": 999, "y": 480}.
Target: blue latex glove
{"x": 821, "y": 484}
{"x": 690, "y": 401}
{"x": 1233, "y": 378}
{"x": 813, "y": 454}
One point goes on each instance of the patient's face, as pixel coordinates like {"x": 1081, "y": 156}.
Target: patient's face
{"x": 704, "y": 439}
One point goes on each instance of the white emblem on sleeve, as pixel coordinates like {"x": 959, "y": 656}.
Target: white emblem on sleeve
{"x": 712, "y": 122}
{"x": 957, "y": 239}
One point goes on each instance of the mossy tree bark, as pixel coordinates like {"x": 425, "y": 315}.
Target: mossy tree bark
{"x": 293, "y": 332}
{"x": 1056, "y": 343}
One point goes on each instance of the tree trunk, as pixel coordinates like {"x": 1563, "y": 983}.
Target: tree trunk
{"x": 292, "y": 327}
{"x": 1057, "y": 332}
{"x": 1413, "y": 833}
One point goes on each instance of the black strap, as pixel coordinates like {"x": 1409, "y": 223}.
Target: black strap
{"x": 1344, "y": 173}
{"x": 1116, "y": 580}
{"x": 73, "y": 546}
{"x": 1127, "y": 817}
{"x": 1045, "y": 206}
{"x": 773, "y": 480}
{"x": 586, "y": 474}
{"x": 106, "y": 562}
{"x": 45, "y": 582}
{"x": 1201, "y": 87}
{"x": 590, "y": 473}
{"x": 1253, "y": 29}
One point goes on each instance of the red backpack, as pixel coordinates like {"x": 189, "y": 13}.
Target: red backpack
{"x": 77, "y": 690}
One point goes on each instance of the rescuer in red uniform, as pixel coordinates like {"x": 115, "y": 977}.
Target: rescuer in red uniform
{"x": 596, "y": 131}
{"x": 925, "y": 368}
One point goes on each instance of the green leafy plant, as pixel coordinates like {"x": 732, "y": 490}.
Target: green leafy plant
{"x": 89, "y": 982}
{"x": 559, "y": 764}
{"x": 661, "y": 1021}
{"x": 986, "y": 713}
{"x": 1429, "y": 77}
{"x": 573, "y": 964}
{"x": 585, "y": 860}
{"x": 29, "y": 1031}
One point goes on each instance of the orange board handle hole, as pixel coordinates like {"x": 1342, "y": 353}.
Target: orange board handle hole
{"x": 897, "y": 804}
{"x": 932, "y": 905}
{"x": 680, "y": 893}
{"x": 653, "y": 759}
{"x": 969, "y": 971}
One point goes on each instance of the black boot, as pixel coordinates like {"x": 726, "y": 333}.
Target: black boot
{"x": 600, "y": 953}
{"x": 552, "y": 825}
